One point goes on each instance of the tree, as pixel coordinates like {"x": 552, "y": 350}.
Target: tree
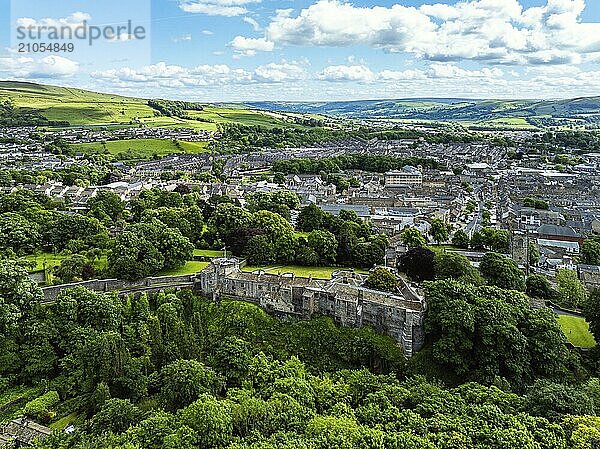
{"x": 591, "y": 311}
{"x": 502, "y": 272}
{"x": 412, "y": 237}
{"x": 534, "y": 254}
{"x": 145, "y": 248}
{"x": 259, "y": 251}
{"x": 73, "y": 268}
{"x": 106, "y": 206}
{"x": 439, "y": 230}
{"x": 64, "y": 228}
{"x": 211, "y": 420}
{"x": 538, "y": 286}
{"x": 571, "y": 293}
{"x": 228, "y": 217}
{"x": 307, "y": 256}
{"x": 280, "y": 202}
{"x": 382, "y": 279}
{"x": 184, "y": 381}
{"x": 20, "y": 298}
{"x": 487, "y": 333}
{"x": 460, "y": 239}
{"x": 116, "y": 415}
{"x": 554, "y": 400}
{"x": 324, "y": 244}
{"x": 274, "y": 225}
{"x": 18, "y": 234}
{"x": 450, "y": 265}
{"x": 418, "y": 264}
{"x": 310, "y": 218}
{"x": 590, "y": 252}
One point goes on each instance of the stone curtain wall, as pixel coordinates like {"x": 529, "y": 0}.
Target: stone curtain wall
{"x": 107, "y": 285}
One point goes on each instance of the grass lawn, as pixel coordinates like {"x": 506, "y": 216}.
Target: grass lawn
{"x": 577, "y": 331}
{"x": 49, "y": 261}
{"x": 316, "y": 272}
{"x": 65, "y": 421}
{"x": 190, "y": 267}
{"x": 207, "y": 253}
{"x": 45, "y": 260}
{"x": 141, "y": 148}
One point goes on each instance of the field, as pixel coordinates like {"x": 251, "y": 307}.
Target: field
{"x": 207, "y": 253}
{"x": 577, "y": 331}
{"x": 304, "y": 272}
{"x": 48, "y": 261}
{"x": 190, "y": 267}
{"x": 141, "y": 148}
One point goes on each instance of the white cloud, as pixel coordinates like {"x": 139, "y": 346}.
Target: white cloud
{"x": 247, "y": 46}
{"x": 72, "y": 21}
{"x": 363, "y": 74}
{"x": 163, "y": 75}
{"x": 184, "y": 38}
{"x": 282, "y": 72}
{"x": 46, "y": 67}
{"x": 340, "y": 73}
{"x": 490, "y": 31}
{"x": 404, "y": 75}
{"x": 253, "y": 23}
{"x": 228, "y": 8}
{"x": 438, "y": 70}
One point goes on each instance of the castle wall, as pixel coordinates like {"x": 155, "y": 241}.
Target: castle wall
{"x": 349, "y": 304}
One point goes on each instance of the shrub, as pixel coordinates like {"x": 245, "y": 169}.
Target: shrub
{"x": 40, "y": 408}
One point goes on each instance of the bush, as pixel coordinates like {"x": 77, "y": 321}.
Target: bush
{"x": 40, "y": 408}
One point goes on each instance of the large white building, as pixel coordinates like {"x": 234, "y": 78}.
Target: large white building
{"x": 407, "y": 177}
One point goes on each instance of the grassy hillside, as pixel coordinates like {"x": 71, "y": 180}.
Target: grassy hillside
{"x": 81, "y": 107}
{"x": 78, "y": 107}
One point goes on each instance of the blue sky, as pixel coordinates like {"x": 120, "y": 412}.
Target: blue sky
{"x": 314, "y": 50}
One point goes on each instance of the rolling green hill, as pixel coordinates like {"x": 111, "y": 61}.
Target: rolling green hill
{"x": 577, "y": 112}
{"x": 84, "y": 108}
{"x": 38, "y": 103}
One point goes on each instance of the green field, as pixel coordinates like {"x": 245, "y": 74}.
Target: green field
{"x": 141, "y": 148}
{"x": 190, "y": 267}
{"x": 207, "y": 253}
{"x": 577, "y": 331}
{"x": 304, "y": 272}
{"x": 48, "y": 261}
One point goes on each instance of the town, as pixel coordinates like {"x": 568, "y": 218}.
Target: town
{"x": 319, "y": 224}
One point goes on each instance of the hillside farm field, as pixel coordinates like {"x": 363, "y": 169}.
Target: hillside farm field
{"x": 141, "y": 148}
{"x": 78, "y": 107}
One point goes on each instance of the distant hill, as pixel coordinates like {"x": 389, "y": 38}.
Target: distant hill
{"x": 483, "y": 112}
{"x": 81, "y": 107}
{"x": 85, "y": 108}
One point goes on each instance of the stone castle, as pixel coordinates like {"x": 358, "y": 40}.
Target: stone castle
{"x": 344, "y": 298}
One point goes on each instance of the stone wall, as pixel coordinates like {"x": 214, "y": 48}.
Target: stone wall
{"x": 107, "y": 285}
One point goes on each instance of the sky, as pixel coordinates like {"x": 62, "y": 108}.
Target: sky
{"x": 309, "y": 50}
